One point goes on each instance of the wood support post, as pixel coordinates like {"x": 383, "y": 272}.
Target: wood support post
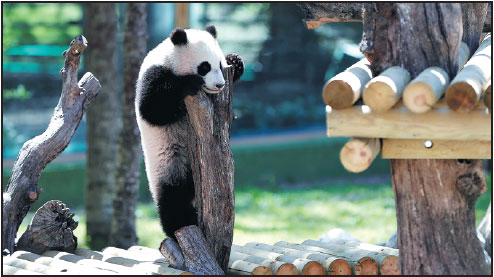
{"x": 359, "y": 153}
{"x": 435, "y": 199}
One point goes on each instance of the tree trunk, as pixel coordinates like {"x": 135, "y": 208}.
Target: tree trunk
{"x": 435, "y": 199}
{"x": 212, "y": 165}
{"x": 129, "y": 144}
{"x": 22, "y": 189}
{"x": 485, "y": 229}
{"x": 102, "y": 122}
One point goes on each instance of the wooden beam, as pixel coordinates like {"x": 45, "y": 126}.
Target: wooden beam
{"x": 399, "y": 122}
{"x": 488, "y": 97}
{"x": 440, "y": 149}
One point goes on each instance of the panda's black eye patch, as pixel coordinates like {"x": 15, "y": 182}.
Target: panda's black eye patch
{"x": 203, "y": 68}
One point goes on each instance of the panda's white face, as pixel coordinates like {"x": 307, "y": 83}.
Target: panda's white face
{"x": 201, "y": 55}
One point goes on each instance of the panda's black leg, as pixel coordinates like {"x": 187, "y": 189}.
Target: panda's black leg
{"x": 175, "y": 205}
{"x": 238, "y": 65}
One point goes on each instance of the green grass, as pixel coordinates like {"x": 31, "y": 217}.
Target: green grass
{"x": 294, "y": 214}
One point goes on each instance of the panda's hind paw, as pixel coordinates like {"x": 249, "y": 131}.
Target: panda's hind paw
{"x": 238, "y": 65}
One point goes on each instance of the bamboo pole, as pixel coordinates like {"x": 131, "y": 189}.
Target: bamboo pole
{"x": 146, "y": 250}
{"x": 146, "y": 267}
{"x": 90, "y": 254}
{"x": 304, "y": 266}
{"x": 35, "y": 267}
{"x": 143, "y": 257}
{"x": 360, "y": 264}
{"x": 385, "y": 90}
{"x": 388, "y": 263}
{"x": 56, "y": 263}
{"x": 278, "y": 268}
{"x": 358, "y": 153}
{"x": 344, "y": 89}
{"x": 465, "y": 90}
{"x": 332, "y": 264}
{"x": 425, "y": 90}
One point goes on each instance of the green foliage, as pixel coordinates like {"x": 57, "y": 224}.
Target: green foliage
{"x": 18, "y": 93}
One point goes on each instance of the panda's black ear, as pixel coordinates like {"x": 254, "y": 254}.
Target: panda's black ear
{"x": 178, "y": 36}
{"x": 212, "y": 30}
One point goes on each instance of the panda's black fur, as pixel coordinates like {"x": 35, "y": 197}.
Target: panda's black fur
{"x": 160, "y": 110}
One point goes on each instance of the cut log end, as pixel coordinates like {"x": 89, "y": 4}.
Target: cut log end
{"x": 461, "y": 97}
{"x": 358, "y": 153}
{"x": 418, "y": 97}
{"x": 390, "y": 266}
{"x": 287, "y": 269}
{"x": 379, "y": 96}
{"x": 170, "y": 249}
{"x": 366, "y": 266}
{"x": 488, "y": 98}
{"x": 338, "y": 94}
{"x": 339, "y": 267}
{"x": 313, "y": 268}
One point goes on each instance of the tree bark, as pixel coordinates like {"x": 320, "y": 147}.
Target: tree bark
{"x": 129, "y": 144}
{"x": 485, "y": 229}
{"x": 212, "y": 166}
{"x": 51, "y": 228}
{"x": 102, "y": 122}
{"x": 472, "y": 27}
{"x": 22, "y": 189}
{"x": 435, "y": 199}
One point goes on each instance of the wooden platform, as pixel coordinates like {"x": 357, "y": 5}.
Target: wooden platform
{"x": 308, "y": 258}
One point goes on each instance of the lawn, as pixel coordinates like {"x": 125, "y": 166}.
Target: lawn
{"x": 295, "y": 213}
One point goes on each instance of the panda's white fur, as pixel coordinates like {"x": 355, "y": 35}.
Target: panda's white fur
{"x": 168, "y": 73}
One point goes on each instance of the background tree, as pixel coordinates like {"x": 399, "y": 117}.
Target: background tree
{"x": 129, "y": 143}
{"x": 100, "y": 28}
{"x": 435, "y": 199}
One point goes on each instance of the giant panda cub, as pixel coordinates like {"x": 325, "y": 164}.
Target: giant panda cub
{"x": 184, "y": 63}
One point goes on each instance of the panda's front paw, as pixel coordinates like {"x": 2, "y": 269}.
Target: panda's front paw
{"x": 238, "y": 65}
{"x": 192, "y": 84}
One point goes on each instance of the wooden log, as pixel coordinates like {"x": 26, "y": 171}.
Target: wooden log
{"x": 400, "y": 123}
{"x": 278, "y": 268}
{"x": 35, "y": 267}
{"x": 317, "y": 14}
{"x": 465, "y": 90}
{"x": 12, "y": 270}
{"x": 387, "y": 264}
{"x": 248, "y": 268}
{"x": 212, "y": 165}
{"x": 170, "y": 249}
{"x": 440, "y": 149}
{"x": 50, "y": 229}
{"x": 358, "y": 153}
{"x": 485, "y": 229}
{"x": 143, "y": 257}
{"x": 488, "y": 97}
{"x": 304, "y": 266}
{"x": 360, "y": 264}
{"x": 463, "y": 56}
{"x": 385, "y": 90}
{"x": 198, "y": 258}
{"x": 344, "y": 89}
{"x": 471, "y": 12}
{"x": 91, "y": 263}
{"x": 333, "y": 265}
{"x": 90, "y": 254}
{"x": 425, "y": 90}
{"x": 60, "y": 264}
{"x": 22, "y": 189}
{"x": 363, "y": 246}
